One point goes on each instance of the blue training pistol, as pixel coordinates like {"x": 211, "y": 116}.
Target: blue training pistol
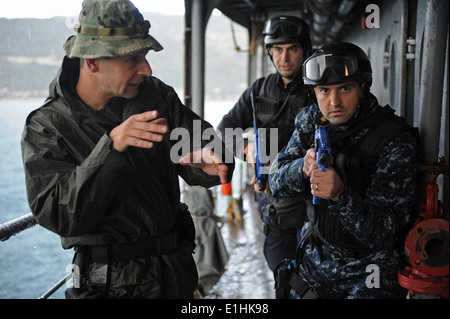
{"x": 323, "y": 154}
{"x": 261, "y": 178}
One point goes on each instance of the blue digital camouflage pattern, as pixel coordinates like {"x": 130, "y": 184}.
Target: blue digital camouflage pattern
{"x": 378, "y": 219}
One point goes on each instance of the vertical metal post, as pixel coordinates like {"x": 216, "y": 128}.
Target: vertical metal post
{"x": 432, "y": 76}
{"x": 252, "y": 63}
{"x": 198, "y": 57}
{"x": 187, "y": 53}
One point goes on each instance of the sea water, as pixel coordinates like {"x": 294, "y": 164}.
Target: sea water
{"x": 33, "y": 261}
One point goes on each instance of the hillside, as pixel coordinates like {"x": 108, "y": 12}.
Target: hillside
{"x": 31, "y": 53}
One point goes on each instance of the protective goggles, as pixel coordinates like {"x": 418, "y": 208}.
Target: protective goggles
{"x": 342, "y": 66}
{"x": 289, "y": 27}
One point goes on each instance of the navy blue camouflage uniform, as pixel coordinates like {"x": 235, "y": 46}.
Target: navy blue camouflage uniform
{"x": 376, "y": 219}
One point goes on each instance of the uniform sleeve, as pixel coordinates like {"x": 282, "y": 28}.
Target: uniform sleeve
{"x": 379, "y": 217}
{"x": 189, "y": 133}
{"x": 286, "y": 178}
{"x": 66, "y": 197}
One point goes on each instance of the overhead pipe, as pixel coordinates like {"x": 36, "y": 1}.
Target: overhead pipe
{"x": 321, "y": 10}
{"x": 345, "y": 7}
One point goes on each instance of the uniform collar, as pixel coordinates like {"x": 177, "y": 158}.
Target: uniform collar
{"x": 297, "y": 82}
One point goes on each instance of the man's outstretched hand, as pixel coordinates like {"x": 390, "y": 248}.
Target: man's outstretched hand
{"x": 207, "y": 161}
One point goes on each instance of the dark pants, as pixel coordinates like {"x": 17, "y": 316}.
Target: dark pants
{"x": 278, "y": 244}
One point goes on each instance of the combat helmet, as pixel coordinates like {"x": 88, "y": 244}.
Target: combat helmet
{"x": 336, "y": 63}
{"x": 286, "y": 29}
{"x": 110, "y": 28}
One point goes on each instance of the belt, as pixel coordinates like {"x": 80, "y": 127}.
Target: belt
{"x": 150, "y": 247}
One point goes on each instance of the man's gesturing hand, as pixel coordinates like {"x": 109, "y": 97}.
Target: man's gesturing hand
{"x": 139, "y": 130}
{"x": 208, "y": 162}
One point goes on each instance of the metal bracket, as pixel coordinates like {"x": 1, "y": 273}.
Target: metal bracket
{"x": 411, "y": 49}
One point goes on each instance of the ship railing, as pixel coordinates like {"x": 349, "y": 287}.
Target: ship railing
{"x": 16, "y": 226}
{"x": 242, "y": 174}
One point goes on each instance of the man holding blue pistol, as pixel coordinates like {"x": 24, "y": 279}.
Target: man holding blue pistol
{"x": 351, "y": 246}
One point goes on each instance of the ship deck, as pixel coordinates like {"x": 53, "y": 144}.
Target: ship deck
{"x": 246, "y": 275}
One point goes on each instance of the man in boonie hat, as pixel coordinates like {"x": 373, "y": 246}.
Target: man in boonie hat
{"x": 99, "y": 167}
{"x": 110, "y": 29}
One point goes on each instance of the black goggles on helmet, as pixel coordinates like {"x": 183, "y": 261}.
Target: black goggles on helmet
{"x": 345, "y": 68}
{"x": 289, "y": 27}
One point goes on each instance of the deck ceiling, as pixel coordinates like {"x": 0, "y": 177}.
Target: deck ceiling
{"x": 329, "y": 19}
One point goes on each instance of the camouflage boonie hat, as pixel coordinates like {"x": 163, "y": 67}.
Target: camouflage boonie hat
{"x": 110, "y": 28}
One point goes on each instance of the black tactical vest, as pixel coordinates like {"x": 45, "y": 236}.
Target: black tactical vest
{"x": 273, "y": 110}
{"x": 355, "y": 164}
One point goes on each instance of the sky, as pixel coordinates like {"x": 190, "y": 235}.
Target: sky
{"x": 49, "y": 8}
